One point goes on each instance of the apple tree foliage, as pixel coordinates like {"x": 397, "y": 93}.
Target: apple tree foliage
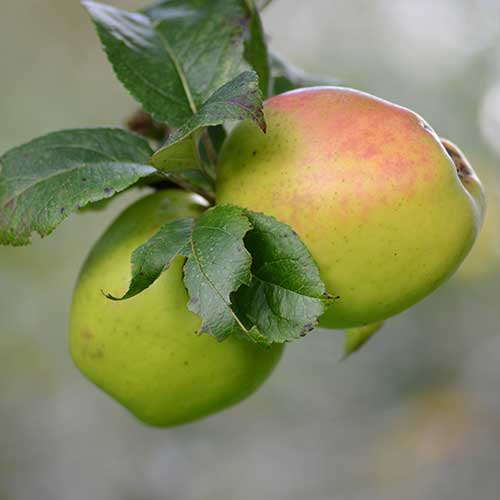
{"x": 195, "y": 67}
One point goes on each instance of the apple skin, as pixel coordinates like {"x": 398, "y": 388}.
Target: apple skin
{"x": 370, "y": 189}
{"x": 144, "y": 352}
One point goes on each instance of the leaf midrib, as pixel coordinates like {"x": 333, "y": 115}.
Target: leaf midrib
{"x": 66, "y": 171}
{"x": 228, "y": 305}
{"x": 185, "y": 85}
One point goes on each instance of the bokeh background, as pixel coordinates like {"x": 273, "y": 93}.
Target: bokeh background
{"x": 415, "y": 414}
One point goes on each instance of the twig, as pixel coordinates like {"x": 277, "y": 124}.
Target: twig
{"x": 144, "y": 124}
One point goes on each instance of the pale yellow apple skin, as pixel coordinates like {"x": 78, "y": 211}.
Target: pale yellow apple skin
{"x": 369, "y": 188}
{"x": 144, "y": 351}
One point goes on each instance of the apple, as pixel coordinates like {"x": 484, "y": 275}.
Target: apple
{"x": 387, "y": 209}
{"x": 145, "y": 351}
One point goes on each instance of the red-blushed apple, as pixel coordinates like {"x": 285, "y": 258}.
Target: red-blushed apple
{"x": 387, "y": 210}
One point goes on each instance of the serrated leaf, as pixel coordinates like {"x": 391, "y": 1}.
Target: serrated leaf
{"x": 286, "y": 295}
{"x": 217, "y": 266}
{"x": 255, "y": 47}
{"x": 45, "y": 180}
{"x": 237, "y": 100}
{"x": 156, "y": 255}
{"x": 355, "y": 338}
{"x": 286, "y": 77}
{"x": 246, "y": 274}
{"x": 175, "y": 55}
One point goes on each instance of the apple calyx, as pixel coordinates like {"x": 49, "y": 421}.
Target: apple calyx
{"x": 464, "y": 170}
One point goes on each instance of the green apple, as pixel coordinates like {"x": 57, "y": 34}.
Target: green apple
{"x": 386, "y": 208}
{"x": 144, "y": 351}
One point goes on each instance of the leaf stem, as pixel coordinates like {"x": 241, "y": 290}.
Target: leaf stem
{"x": 265, "y": 4}
{"x": 188, "y": 186}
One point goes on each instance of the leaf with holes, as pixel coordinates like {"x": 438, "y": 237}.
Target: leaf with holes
{"x": 45, "y": 180}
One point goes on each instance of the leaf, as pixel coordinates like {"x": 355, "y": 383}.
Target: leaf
{"x": 237, "y": 100}
{"x": 218, "y": 136}
{"x": 156, "y": 255}
{"x": 217, "y": 266}
{"x": 256, "y": 48}
{"x": 355, "y": 338}
{"x": 45, "y": 180}
{"x": 286, "y": 77}
{"x": 286, "y": 295}
{"x": 176, "y": 54}
{"x": 246, "y": 274}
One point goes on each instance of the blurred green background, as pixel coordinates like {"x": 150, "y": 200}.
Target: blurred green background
{"x": 416, "y": 414}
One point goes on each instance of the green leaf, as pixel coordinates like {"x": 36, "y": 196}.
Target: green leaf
{"x": 217, "y": 266}
{"x": 237, "y": 100}
{"x": 355, "y": 338}
{"x": 45, "y": 180}
{"x": 246, "y": 274}
{"x": 286, "y": 77}
{"x": 256, "y": 48}
{"x": 156, "y": 255}
{"x": 176, "y": 54}
{"x": 286, "y": 295}
{"x": 218, "y": 136}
